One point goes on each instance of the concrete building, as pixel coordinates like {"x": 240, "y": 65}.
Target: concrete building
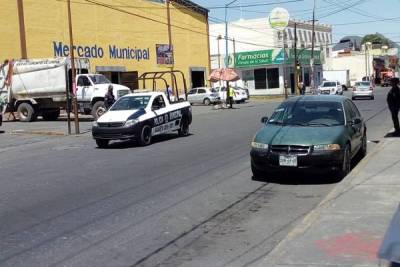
{"x": 121, "y": 38}
{"x": 255, "y": 50}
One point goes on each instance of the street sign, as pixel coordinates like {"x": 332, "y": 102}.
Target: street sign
{"x": 279, "y": 18}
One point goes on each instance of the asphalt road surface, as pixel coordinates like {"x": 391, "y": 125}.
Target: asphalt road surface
{"x": 181, "y": 201}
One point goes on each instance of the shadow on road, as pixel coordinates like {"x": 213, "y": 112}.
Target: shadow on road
{"x": 297, "y": 179}
{"x": 1, "y": 132}
{"x": 131, "y": 143}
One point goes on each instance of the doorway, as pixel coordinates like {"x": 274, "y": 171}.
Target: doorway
{"x": 260, "y": 79}
{"x": 197, "y": 76}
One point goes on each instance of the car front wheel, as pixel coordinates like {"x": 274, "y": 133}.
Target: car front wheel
{"x": 145, "y": 136}
{"x": 258, "y": 175}
{"x": 346, "y": 164}
{"x": 102, "y": 143}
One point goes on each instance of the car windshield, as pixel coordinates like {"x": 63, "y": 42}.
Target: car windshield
{"x": 308, "y": 113}
{"x": 131, "y": 103}
{"x": 365, "y": 84}
{"x": 213, "y": 90}
{"x": 99, "y": 79}
{"x": 328, "y": 84}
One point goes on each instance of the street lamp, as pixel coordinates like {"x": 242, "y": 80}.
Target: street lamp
{"x": 368, "y": 46}
{"x": 219, "y": 52}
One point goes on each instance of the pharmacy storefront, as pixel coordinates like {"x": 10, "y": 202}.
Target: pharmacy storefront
{"x": 263, "y": 72}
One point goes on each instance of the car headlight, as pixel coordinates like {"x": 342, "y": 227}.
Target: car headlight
{"x": 328, "y": 147}
{"x": 259, "y": 145}
{"x": 129, "y": 123}
{"x": 95, "y": 124}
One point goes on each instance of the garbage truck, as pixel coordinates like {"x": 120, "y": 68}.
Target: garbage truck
{"x": 41, "y": 87}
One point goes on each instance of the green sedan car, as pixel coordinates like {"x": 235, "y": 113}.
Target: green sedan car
{"x": 317, "y": 134}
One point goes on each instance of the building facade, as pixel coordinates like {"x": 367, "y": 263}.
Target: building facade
{"x": 122, "y": 39}
{"x": 255, "y": 50}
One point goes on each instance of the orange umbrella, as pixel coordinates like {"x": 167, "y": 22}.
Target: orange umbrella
{"x": 228, "y": 74}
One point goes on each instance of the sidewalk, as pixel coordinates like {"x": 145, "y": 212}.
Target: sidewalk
{"x": 348, "y": 226}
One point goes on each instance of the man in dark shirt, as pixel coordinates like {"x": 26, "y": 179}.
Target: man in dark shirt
{"x": 393, "y": 100}
{"x": 109, "y": 98}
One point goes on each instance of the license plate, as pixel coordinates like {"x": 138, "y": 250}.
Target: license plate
{"x": 290, "y": 161}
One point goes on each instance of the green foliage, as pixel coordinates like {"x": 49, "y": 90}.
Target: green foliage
{"x": 376, "y": 38}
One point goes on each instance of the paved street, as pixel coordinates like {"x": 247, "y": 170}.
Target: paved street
{"x": 181, "y": 201}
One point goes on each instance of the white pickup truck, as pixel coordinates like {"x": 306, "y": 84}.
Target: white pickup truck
{"x": 90, "y": 92}
{"x": 140, "y": 116}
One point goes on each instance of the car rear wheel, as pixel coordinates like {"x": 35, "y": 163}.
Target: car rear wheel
{"x": 372, "y": 97}
{"x": 145, "y": 136}
{"x": 184, "y": 129}
{"x": 26, "y": 112}
{"x": 102, "y": 143}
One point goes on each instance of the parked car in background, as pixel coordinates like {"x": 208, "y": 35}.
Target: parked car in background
{"x": 244, "y": 91}
{"x": 363, "y": 90}
{"x": 203, "y": 95}
{"x": 319, "y": 134}
{"x": 330, "y": 88}
{"x": 239, "y": 97}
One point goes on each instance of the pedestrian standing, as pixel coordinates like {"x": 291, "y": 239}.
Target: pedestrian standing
{"x": 168, "y": 92}
{"x": 393, "y": 100}
{"x": 230, "y": 92}
{"x": 303, "y": 88}
{"x": 109, "y": 98}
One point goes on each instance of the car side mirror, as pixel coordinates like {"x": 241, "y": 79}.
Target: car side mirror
{"x": 356, "y": 121}
{"x": 264, "y": 120}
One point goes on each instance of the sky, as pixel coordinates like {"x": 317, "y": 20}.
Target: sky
{"x": 347, "y": 17}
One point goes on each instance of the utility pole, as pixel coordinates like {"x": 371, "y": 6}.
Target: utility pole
{"x": 226, "y": 46}
{"x": 22, "y": 36}
{"x": 71, "y": 48}
{"x": 170, "y": 44}
{"x": 312, "y": 51}
{"x": 295, "y": 59}
{"x": 234, "y": 52}
{"x": 219, "y": 52}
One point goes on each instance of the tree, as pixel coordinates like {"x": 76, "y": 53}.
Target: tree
{"x": 376, "y": 39}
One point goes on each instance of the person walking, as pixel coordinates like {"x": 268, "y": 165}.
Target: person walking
{"x": 169, "y": 93}
{"x": 109, "y": 98}
{"x": 393, "y": 100}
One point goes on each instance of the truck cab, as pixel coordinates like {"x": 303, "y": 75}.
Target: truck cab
{"x": 90, "y": 92}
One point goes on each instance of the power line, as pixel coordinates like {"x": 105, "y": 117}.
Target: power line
{"x": 343, "y": 9}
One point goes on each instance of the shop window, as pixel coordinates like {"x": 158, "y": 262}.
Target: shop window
{"x": 260, "y": 79}
{"x": 273, "y": 78}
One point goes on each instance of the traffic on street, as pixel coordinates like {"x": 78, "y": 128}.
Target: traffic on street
{"x": 199, "y": 133}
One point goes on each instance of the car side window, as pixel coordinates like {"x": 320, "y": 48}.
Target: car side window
{"x": 350, "y": 115}
{"x": 192, "y": 92}
{"x": 158, "y": 103}
{"x": 201, "y": 91}
{"x": 355, "y": 110}
{"x": 83, "y": 81}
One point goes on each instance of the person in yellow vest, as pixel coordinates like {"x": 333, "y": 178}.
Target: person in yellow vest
{"x": 231, "y": 94}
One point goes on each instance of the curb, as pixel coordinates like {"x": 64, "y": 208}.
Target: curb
{"x": 272, "y": 258}
{"x": 51, "y": 133}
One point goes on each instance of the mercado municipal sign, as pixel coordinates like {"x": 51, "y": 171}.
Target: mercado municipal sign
{"x": 274, "y": 57}
{"x": 95, "y": 51}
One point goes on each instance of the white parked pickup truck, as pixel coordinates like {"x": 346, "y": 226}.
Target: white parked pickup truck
{"x": 140, "y": 116}
{"x": 90, "y": 92}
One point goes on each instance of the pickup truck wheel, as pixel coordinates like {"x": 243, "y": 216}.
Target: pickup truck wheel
{"x": 145, "y": 136}
{"x": 26, "y": 112}
{"x": 207, "y": 102}
{"x": 184, "y": 129}
{"x": 51, "y": 115}
{"x": 102, "y": 143}
{"x": 98, "y": 109}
